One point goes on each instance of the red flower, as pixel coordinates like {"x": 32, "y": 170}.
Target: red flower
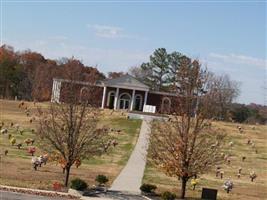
{"x": 57, "y": 186}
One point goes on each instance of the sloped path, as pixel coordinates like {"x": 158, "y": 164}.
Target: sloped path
{"x": 130, "y": 178}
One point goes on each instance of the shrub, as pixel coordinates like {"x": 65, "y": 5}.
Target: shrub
{"x": 148, "y": 188}
{"x": 78, "y": 184}
{"x": 101, "y": 179}
{"x": 168, "y": 196}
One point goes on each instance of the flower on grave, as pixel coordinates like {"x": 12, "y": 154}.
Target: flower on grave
{"x": 228, "y": 185}
{"x": 78, "y": 163}
{"x": 29, "y": 141}
{"x": 194, "y": 182}
{"x": 12, "y": 141}
{"x": 19, "y": 145}
{"x": 252, "y": 175}
{"x": 32, "y": 150}
{"x": 20, "y": 132}
{"x": 9, "y": 136}
{"x": 57, "y": 186}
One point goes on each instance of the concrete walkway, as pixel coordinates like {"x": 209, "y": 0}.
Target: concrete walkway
{"x": 130, "y": 178}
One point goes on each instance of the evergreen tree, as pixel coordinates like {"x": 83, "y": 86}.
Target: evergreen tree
{"x": 160, "y": 72}
{"x": 158, "y": 66}
{"x": 175, "y": 59}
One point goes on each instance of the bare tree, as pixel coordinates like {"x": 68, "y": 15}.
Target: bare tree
{"x": 226, "y": 91}
{"x": 112, "y": 75}
{"x": 187, "y": 145}
{"x": 140, "y": 73}
{"x": 71, "y": 129}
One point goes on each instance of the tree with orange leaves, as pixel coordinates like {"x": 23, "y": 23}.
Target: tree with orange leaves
{"x": 187, "y": 145}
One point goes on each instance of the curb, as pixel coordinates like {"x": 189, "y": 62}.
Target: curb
{"x": 125, "y": 192}
{"x": 145, "y": 197}
{"x": 36, "y": 192}
{"x": 75, "y": 193}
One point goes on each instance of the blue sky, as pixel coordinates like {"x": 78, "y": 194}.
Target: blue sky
{"x": 228, "y": 37}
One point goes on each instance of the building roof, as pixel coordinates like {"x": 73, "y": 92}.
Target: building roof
{"x": 126, "y": 82}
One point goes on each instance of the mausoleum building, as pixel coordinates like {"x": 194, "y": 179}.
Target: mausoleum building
{"x": 123, "y": 93}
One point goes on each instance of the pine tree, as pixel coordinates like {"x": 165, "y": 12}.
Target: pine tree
{"x": 175, "y": 61}
{"x": 158, "y": 66}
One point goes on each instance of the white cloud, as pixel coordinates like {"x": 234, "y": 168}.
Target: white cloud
{"x": 58, "y": 38}
{"x": 110, "y": 32}
{"x": 239, "y": 59}
{"x": 106, "y": 31}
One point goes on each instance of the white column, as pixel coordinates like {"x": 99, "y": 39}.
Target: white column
{"x": 116, "y": 98}
{"x": 145, "y": 100}
{"x": 132, "y": 100}
{"x": 53, "y": 92}
{"x": 58, "y": 91}
{"x": 104, "y": 97}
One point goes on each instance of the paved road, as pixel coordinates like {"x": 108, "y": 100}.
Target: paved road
{"x": 123, "y": 196}
{"x": 4, "y": 195}
{"x": 130, "y": 178}
{"x": 115, "y": 195}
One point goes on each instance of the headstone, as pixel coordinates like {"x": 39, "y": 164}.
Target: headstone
{"x": 209, "y": 194}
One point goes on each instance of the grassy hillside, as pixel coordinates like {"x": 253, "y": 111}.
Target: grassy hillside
{"x": 244, "y": 189}
{"x": 16, "y": 169}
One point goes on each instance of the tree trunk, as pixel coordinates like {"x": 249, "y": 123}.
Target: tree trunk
{"x": 184, "y": 180}
{"x": 67, "y": 175}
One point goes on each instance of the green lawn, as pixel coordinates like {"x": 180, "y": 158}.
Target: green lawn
{"x": 16, "y": 169}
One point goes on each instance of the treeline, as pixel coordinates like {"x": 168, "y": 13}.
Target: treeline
{"x": 161, "y": 73}
{"x": 28, "y": 75}
{"x": 252, "y": 113}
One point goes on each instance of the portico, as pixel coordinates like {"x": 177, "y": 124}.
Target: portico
{"x": 125, "y": 93}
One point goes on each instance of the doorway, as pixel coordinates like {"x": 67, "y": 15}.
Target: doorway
{"x": 124, "y": 101}
{"x": 111, "y": 99}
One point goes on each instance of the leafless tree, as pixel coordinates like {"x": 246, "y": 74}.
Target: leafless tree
{"x": 140, "y": 73}
{"x": 226, "y": 91}
{"x": 71, "y": 129}
{"x": 187, "y": 145}
{"x": 112, "y": 75}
